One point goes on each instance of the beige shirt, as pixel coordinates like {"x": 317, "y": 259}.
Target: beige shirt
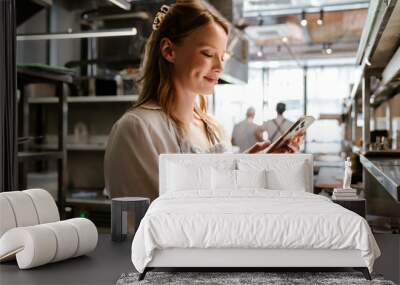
{"x": 276, "y": 127}
{"x": 244, "y": 134}
{"x": 134, "y": 144}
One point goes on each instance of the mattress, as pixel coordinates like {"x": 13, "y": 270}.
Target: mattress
{"x": 251, "y": 219}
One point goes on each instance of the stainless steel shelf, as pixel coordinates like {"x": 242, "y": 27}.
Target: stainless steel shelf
{"x": 386, "y": 171}
{"x": 89, "y": 200}
{"x": 39, "y": 155}
{"x": 78, "y": 35}
{"x": 85, "y": 99}
{"x": 377, "y": 49}
{"x": 87, "y": 196}
{"x": 92, "y": 201}
{"x": 392, "y": 70}
{"x": 73, "y": 147}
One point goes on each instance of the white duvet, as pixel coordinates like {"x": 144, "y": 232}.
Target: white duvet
{"x": 253, "y": 218}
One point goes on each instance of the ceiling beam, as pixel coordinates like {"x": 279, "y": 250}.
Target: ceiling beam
{"x": 293, "y": 9}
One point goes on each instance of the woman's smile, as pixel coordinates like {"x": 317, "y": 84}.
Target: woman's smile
{"x": 210, "y": 79}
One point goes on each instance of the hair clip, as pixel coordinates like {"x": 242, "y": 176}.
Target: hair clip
{"x": 160, "y": 17}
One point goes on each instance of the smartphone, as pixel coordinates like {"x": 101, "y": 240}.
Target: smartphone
{"x": 297, "y": 128}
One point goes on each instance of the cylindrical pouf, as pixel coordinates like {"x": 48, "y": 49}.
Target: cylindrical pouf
{"x": 87, "y": 235}
{"x": 45, "y": 206}
{"x": 40, "y": 244}
{"x": 120, "y": 208}
{"x": 34, "y": 245}
{"x": 23, "y": 208}
{"x": 7, "y": 218}
{"x": 67, "y": 239}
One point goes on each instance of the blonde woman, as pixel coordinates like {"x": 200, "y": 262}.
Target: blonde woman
{"x": 183, "y": 61}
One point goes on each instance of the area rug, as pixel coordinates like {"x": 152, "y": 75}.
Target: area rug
{"x": 243, "y": 278}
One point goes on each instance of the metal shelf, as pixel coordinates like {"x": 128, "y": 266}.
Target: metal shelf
{"x": 392, "y": 70}
{"x": 73, "y": 147}
{"x": 378, "y": 45}
{"x": 39, "y": 155}
{"x": 86, "y": 99}
{"x": 98, "y": 200}
{"x": 91, "y": 201}
{"x": 78, "y": 35}
{"x": 386, "y": 171}
{"x": 379, "y": 57}
{"x": 378, "y": 99}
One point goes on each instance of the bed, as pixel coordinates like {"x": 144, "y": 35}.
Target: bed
{"x": 247, "y": 211}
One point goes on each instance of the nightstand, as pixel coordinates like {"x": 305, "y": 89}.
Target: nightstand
{"x": 120, "y": 209}
{"x": 357, "y": 205}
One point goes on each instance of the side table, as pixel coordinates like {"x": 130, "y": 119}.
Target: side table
{"x": 120, "y": 208}
{"x": 356, "y": 205}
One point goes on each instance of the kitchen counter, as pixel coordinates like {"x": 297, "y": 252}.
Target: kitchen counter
{"x": 386, "y": 170}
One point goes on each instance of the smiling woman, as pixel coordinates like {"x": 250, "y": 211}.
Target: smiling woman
{"x": 183, "y": 61}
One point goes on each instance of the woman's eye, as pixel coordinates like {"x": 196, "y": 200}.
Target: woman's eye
{"x": 207, "y": 54}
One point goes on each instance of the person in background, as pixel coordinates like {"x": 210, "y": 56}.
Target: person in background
{"x": 244, "y": 132}
{"x": 275, "y": 127}
{"x": 183, "y": 61}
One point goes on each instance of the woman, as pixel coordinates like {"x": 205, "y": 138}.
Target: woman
{"x": 183, "y": 61}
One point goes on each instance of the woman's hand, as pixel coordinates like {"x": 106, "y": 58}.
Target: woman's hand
{"x": 292, "y": 146}
{"x": 288, "y": 147}
{"x": 257, "y": 147}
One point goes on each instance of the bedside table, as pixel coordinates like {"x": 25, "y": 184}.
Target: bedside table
{"x": 123, "y": 207}
{"x": 357, "y": 205}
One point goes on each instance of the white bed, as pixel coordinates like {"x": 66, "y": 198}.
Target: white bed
{"x": 238, "y": 210}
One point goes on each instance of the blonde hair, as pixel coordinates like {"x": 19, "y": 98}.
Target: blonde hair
{"x": 181, "y": 18}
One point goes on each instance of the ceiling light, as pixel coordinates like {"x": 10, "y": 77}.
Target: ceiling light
{"x": 122, "y": 4}
{"x": 303, "y": 21}
{"x": 327, "y": 48}
{"x": 315, "y": 3}
{"x": 285, "y": 39}
{"x": 320, "y": 21}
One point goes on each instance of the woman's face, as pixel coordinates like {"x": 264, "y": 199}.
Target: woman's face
{"x": 198, "y": 59}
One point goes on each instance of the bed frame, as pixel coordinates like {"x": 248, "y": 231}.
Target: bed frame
{"x": 261, "y": 259}
{"x": 245, "y": 259}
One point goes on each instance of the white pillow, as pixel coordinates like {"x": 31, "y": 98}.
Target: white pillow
{"x": 188, "y": 177}
{"x": 287, "y": 176}
{"x": 223, "y": 179}
{"x": 251, "y": 178}
{"x": 282, "y": 173}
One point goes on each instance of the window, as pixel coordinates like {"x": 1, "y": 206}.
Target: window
{"x": 326, "y": 89}
{"x": 232, "y": 101}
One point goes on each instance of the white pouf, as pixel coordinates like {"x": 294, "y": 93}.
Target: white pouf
{"x": 37, "y": 245}
{"x": 31, "y": 230}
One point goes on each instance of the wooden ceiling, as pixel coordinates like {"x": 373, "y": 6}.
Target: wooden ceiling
{"x": 337, "y": 26}
{"x": 340, "y": 29}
